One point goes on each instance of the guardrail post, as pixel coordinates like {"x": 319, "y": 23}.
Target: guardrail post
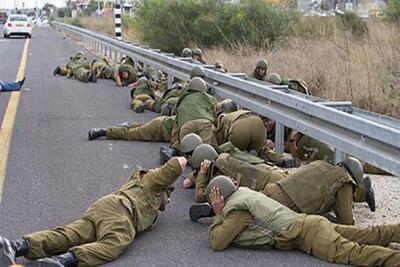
{"x": 279, "y": 137}
{"x": 170, "y": 81}
{"x": 156, "y": 75}
{"x": 339, "y": 155}
{"x": 145, "y": 67}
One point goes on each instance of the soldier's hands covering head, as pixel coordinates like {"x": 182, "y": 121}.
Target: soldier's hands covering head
{"x": 205, "y": 165}
{"x": 217, "y": 200}
{"x": 182, "y": 162}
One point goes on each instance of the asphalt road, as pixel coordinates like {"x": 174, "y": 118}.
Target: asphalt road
{"x": 54, "y": 173}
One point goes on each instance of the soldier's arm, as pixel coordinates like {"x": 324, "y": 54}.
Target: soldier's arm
{"x": 223, "y": 231}
{"x": 344, "y": 204}
{"x": 201, "y": 188}
{"x": 117, "y": 79}
{"x": 160, "y": 179}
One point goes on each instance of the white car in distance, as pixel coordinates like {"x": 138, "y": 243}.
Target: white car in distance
{"x": 18, "y": 24}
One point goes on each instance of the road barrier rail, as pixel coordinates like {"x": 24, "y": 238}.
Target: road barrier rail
{"x": 349, "y": 130}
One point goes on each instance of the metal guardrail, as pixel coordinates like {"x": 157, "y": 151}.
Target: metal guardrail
{"x": 368, "y": 136}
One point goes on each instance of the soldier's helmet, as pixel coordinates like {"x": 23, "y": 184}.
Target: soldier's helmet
{"x": 225, "y": 185}
{"x": 198, "y": 84}
{"x": 197, "y": 52}
{"x": 355, "y": 168}
{"x": 227, "y": 106}
{"x": 190, "y": 142}
{"x": 218, "y": 64}
{"x": 274, "y": 78}
{"x": 262, "y": 63}
{"x": 197, "y": 71}
{"x": 202, "y": 152}
{"x": 142, "y": 81}
{"x": 176, "y": 86}
{"x": 186, "y": 52}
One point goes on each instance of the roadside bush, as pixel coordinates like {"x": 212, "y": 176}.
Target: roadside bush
{"x": 392, "y": 11}
{"x": 77, "y": 22}
{"x": 354, "y": 24}
{"x": 64, "y": 12}
{"x": 172, "y": 25}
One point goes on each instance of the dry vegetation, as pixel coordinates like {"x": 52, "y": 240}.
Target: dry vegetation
{"x": 366, "y": 72}
{"x": 336, "y": 65}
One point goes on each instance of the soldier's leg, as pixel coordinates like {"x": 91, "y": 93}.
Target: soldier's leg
{"x": 151, "y": 131}
{"x": 207, "y": 132}
{"x": 115, "y": 230}
{"x": 137, "y": 104}
{"x": 380, "y": 235}
{"x": 82, "y": 74}
{"x": 369, "y": 168}
{"x": 60, "y": 240}
{"x": 320, "y": 238}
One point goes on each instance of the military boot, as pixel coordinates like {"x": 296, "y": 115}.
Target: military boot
{"x": 140, "y": 108}
{"x": 200, "y": 211}
{"x": 56, "y": 71}
{"x": 290, "y": 163}
{"x": 87, "y": 77}
{"x": 93, "y": 76}
{"x": 168, "y": 110}
{"x": 166, "y": 154}
{"x": 14, "y": 248}
{"x": 68, "y": 259}
{"x": 369, "y": 193}
{"x": 96, "y": 133}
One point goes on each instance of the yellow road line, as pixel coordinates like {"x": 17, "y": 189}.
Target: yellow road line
{"x": 9, "y": 119}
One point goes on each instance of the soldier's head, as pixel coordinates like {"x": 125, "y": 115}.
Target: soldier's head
{"x": 197, "y": 71}
{"x": 197, "y": 84}
{"x": 186, "y": 52}
{"x": 274, "y": 78}
{"x": 189, "y": 143}
{"x": 123, "y": 72}
{"x": 142, "y": 81}
{"x": 197, "y": 54}
{"x": 261, "y": 68}
{"x": 218, "y": 64}
{"x": 354, "y": 168}
{"x": 222, "y": 183}
{"x": 225, "y": 106}
{"x": 176, "y": 86}
{"x": 201, "y": 153}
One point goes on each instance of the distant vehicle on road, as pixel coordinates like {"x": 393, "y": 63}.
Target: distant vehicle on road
{"x": 18, "y": 24}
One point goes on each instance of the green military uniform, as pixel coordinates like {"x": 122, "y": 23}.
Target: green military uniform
{"x": 77, "y": 68}
{"x": 142, "y": 95}
{"x": 244, "y": 129}
{"x": 246, "y": 169}
{"x": 169, "y": 98}
{"x": 132, "y": 75}
{"x": 317, "y": 150}
{"x": 317, "y": 188}
{"x": 102, "y": 68}
{"x": 195, "y": 113}
{"x": 156, "y": 130}
{"x": 251, "y": 219}
{"x": 111, "y": 223}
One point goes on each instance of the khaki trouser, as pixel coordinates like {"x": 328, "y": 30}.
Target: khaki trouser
{"x": 172, "y": 101}
{"x": 99, "y": 236}
{"x": 154, "y": 130}
{"x": 143, "y": 99}
{"x": 248, "y": 133}
{"x": 80, "y": 73}
{"x": 343, "y": 212}
{"x": 342, "y": 244}
{"x": 203, "y": 127}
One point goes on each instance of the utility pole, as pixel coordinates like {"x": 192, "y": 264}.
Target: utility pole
{"x": 117, "y": 13}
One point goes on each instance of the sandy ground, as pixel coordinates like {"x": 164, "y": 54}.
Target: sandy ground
{"x": 387, "y": 196}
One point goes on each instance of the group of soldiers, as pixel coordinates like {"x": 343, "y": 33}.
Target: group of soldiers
{"x": 236, "y": 176}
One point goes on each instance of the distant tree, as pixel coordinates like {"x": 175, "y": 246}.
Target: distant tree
{"x": 392, "y": 11}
